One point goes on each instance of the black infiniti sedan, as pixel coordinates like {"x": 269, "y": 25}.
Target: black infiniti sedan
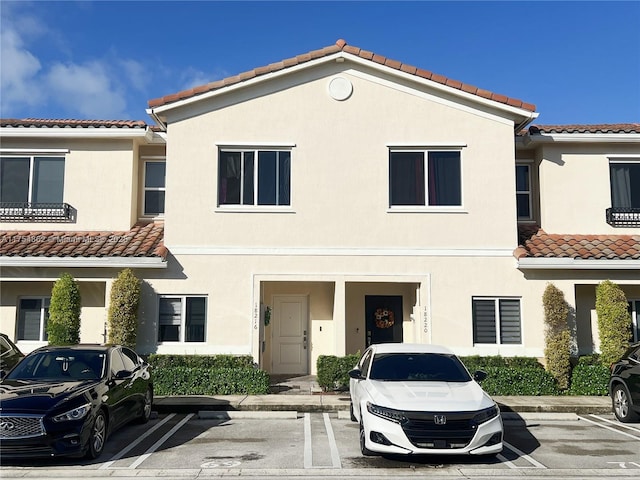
{"x": 62, "y": 401}
{"x": 624, "y": 385}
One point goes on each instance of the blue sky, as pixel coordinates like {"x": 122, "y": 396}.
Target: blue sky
{"x": 578, "y": 62}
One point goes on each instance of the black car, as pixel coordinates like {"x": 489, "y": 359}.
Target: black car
{"x": 10, "y": 355}
{"x": 624, "y": 385}
{"x": 61, "y": 401}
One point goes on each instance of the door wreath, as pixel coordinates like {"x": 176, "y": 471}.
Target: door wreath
{"x": 384, "y": 318}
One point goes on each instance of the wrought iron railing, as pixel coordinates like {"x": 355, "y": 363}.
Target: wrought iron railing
{"x": 35, "y": 212}
{"x": 623, "y": 217}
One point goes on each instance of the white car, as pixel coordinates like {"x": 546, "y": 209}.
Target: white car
{"x": 420, "y": 399}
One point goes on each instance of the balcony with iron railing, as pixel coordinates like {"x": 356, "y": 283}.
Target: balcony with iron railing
{"x": 623, "y": 217}
{"x": 36, "y": 212}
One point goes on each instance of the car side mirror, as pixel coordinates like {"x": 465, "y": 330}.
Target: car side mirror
{"x": 122, "y": 374}
{"x": 356, "y": 374}
{"x": 479, "y": 376}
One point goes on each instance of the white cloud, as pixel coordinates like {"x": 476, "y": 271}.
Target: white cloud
{"x": 87, "y": 89}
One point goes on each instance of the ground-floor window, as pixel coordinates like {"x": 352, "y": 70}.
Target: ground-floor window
{"x": 634, "y": 309}
{"x": 182, "y": 318}
{"x": 496, "y": 321}
{"x": 33, "y": 313}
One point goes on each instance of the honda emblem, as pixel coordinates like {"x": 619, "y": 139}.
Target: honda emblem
{"x": 440, "y": 419}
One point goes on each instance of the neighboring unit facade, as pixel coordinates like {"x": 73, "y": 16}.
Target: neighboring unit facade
{"x": 317, "y": 205}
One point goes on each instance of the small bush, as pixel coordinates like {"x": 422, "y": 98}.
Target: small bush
{"x": 476, "y": 362}
{"x": 123, "y": 309}
{"x": 333, "y": 372}
{"x": 63, "y": 325}
{"x": 614, "y": 321}
{"x": 519, "y": 381}
{"x": 589, "y": 377}
{"x": 557, "y": 336}
{"x": 183, "y": 380}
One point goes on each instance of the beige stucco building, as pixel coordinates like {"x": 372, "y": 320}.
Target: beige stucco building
{"x": 319, "y": 204}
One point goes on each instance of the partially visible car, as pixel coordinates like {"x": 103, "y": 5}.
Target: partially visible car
{"x": 420, "y": 399}
{"x": 624, "y": 385}
{"x": 66, "y": 401}
{"x": 10, "y": 355}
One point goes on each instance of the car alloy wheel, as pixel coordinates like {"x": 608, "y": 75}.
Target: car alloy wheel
{"x": 621, "y": 404}
{"x": 363, "y": 445}
{"x": 146, "y": 407}
{"x": 98, "y": 436}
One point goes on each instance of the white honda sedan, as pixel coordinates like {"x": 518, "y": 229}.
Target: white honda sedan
{"x": 420, "y": 399}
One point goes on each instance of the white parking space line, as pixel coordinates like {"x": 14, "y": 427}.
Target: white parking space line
{"x": 335, "y": 456}
{"x": 635, "y": 437}
{"x": 616, "y": 423}
{"x": 308, "y": 452}
{"x": 129, "y": 447}
{"x": 159, "y": 443}
{"x": 521, "y": 454}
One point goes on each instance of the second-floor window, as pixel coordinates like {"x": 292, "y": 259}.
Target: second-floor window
{"x": 154, "y": 187}
{"x": 31, "y": 179}
{"x": 523, "y": 191}
{"x": 425, "y": 178}
{"x": 254, "y": 177}
{"x": 625, "y": 183}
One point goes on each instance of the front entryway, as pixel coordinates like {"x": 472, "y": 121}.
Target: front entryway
{"x": 290, "y": 335}
{"x": 383, "y": 319}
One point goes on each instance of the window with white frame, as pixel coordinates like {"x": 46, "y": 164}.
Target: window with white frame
{"x": 496, "y": 321}
{"x": 154, "y": 187}
{"x": 254, "y": 177}
{"x": 634, "y": 310}
{"x": 182, "y": 318}
{"x": 624, "y": 177}
{"x": 33, "y": 313}
{"x": 523, "y": 191}
{"x": 31, "y": 179}
{"x": 425, "y": 178}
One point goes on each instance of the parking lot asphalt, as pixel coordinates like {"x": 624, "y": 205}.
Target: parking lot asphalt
{"x": 336, "y": 402}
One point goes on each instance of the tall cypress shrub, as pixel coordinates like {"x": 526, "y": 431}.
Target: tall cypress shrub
{"x": 614, "y": 321}
{"x": 63, "y": 325}
{"x": 123, "y": 309}
{"x": 557, "y": 335}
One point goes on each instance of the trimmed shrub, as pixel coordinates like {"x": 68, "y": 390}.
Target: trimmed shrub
{"x": 207, "y": 375}
{"x": 201, "y": 361}
{"x": 614, "y": 321}
{"x": 210, "y": 381}
{"x": 557, "y": 336}
{"x": 476, "y": 362}
{"x": 589, "y": 377}
{"x": 333, "y": 372}
{"x": 123, "y": 309}
{"x": 63, "y": 325}
{"x": 519, "y": 381}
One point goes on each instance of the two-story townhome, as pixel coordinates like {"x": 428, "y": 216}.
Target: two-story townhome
{"x": 317, "y": 205}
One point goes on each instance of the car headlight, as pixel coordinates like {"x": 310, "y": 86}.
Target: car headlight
{"x": 485, "y": 415}
{"x": 75, "y": 414}
{"x": 386, "y": 413}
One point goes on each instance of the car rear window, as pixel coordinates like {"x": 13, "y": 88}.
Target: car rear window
{"x": 419, "y": 367}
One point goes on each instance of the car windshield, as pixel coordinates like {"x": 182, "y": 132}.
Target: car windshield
{"x": 61, "y": 365}
{"x": 418, "y": 367}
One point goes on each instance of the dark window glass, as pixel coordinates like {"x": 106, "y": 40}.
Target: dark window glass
{"x": 48, "y": 180}
{"x": 284, "y": 178}
{"x": 229, "y": 176}
{"x": 407, "y": 178}
{"x": 169, "y": 321}
{"x": 155, "y": 174}
{"x": 196, "y": 316}
{"x": 247, "y": 181}
{"x": 484, "y": 321}
{"x": 14, "y": 179}
{"x": 117, "y": 365}
{"x": 444, "y": 178}
{"x": 625, "y": 185}
{"x": 267, "y": 164}
{"x": 510, "y": 321}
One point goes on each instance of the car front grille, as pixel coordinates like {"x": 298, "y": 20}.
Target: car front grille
{"x": 20, "y": 426}
{"x": 441, "y": 430}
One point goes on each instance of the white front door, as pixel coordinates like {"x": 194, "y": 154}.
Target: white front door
{"x": 290, "y": 335}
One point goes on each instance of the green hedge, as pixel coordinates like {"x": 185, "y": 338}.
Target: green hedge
{"x": 476, "y": 362}
{"x": 333, "y": 372}
{"x": 519, "y": 381}
{"x": 589, "y": 377}
{"x": 207, "y": 375}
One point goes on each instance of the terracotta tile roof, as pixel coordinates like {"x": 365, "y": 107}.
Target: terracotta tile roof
{"x": 340, "y": 46}
{"x": 585, "y": 247}
{"x": 143, "y": 240}
{"x": 70, "y": 123}
{"x": 602, "y": 128}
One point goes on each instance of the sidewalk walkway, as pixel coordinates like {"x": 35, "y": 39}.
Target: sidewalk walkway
{"x": 302, "y": 394}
